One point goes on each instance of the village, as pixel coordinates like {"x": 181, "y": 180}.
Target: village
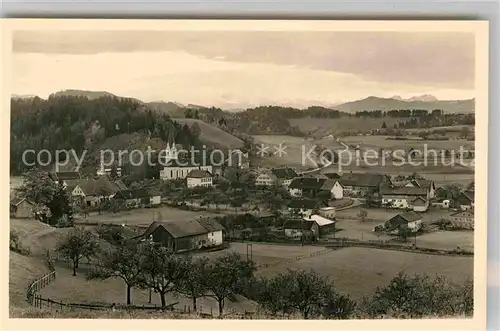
{"x": 310, "y": 207}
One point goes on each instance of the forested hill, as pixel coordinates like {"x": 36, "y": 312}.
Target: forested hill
{"x": 74, "y": 122}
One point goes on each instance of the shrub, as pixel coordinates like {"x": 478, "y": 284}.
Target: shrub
{"x": 15, "y": 244}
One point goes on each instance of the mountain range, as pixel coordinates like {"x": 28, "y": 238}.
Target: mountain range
{"x": 425, "y": 101}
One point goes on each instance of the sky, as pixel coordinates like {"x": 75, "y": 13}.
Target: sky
{"x": 237, "y": 69}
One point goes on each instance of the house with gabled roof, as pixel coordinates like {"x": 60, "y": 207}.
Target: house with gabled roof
{"x": 144, "y": 196}
{"x": 423, "y": 183}
{"x": 183, "y": 236}
{"x": 311, "y": 187}
{"x": 410, "y": 220}
{"x": 21, "y": 207}
{"x": 198, "y": 177}
{"x": 301, "y": 229}
{"x": 402, "y": 197}
{"x": 465, "y": 200}
{"x": 304, "y": 207}
{"x": 361, "y": 184}
{"x": 284, "y": 176}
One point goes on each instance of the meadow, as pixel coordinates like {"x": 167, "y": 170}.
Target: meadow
{"x": 358, "y": 271}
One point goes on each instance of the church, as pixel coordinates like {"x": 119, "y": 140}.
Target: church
{"x": 179, "y": 169}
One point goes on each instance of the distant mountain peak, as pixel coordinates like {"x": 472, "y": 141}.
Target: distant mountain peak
{"x": 423, "y": 97}
{"x": 397, "y": 97}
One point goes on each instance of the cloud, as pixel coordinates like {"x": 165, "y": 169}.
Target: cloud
{"x": 186, "y": 78}
{"x": 442, "y": 59}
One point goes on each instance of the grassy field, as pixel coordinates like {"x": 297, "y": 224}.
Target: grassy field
{"x": 22, "y": 271}
{"x": 358, "y": 271}
{"x": 266, "y": 254}
{"x": 68, "y": 288}
{"x": 295, "y": 149}
{"x": 144, "y": 216}
{"x": 37, "y": 236}
{"x": 355, "y": 229}
{"x": 212, "y": 135}
{"x": 343, "y": 124}
{"x": 375, "y": 142}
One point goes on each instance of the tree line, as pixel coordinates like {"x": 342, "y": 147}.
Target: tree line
{"x": 303, "y": 293}
{"x": 79, "y": 123}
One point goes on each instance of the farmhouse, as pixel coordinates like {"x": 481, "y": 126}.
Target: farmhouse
{"x": 266, "y": 178}
{"x": 147, "y": 197}
{"x": 325, "y": 225}
{"x": 21, "y": 208}
{"x": 303, "y": 207}
{"x": 465, "y": 200}
{"x": 420, "y": 204}
{"x": 312, "y": 187}
{"x": 463, "y": 219}
{"x": 199, "y": 178}
{"x": 410, "y": 220}
{"x": 185, "y": 235}
{"x": 361, "y": 184}
{"x": 423, "y": 183}
{"x": 402, "y": 197}
{"x": 300, "y": 229}
{"x": 91, "y": 191}
{"x": 284, "y": 176}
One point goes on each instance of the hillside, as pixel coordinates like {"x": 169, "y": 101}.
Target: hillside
{"x": 171, "y": 108}
{"x": 385, "y": 104}
{"x": 82, "y": 93}
{"x": 211, "y": 135}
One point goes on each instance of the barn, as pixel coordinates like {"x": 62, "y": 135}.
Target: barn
{"x": 183, "y": 236}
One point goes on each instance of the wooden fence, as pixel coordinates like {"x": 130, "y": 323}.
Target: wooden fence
{"x": 32, "y": 292}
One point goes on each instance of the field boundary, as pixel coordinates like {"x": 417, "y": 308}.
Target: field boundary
{"x": 36, "y": 300}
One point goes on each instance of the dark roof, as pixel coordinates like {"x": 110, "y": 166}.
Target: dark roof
{"x": 307, "y": 183}
{"x": 466, "y": 197}
{"x": 403, "y": 190}
{"x": 284, "y": 173}
{"x": 65, "y": 175}
{"x": 410, "y": 216}
{"x": 298, "y": 224}
{"x": 403, "y": 219}
{"x": 304, "y": 203}
{"x": 211, "y": 225}
{"x": 425, "y": 183}
{"x": 362, "y": 180}
{"x": 419, "y": 198}
{"x": 18, "y": 200}
{"x": 121, "y": 185}
{"x": 180, "y": 229}
{"x": 197, "y": 173}
{"x": 92, "y": 186}
{"x": 332, "y": 175}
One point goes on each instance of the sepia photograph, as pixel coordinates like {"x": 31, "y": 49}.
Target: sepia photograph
{"x": 246, "y": 170}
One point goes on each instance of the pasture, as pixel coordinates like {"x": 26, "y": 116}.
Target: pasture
{"x": 295, "y": 149}
{"x": 77, "y": 289}
{"x": 325, "y": 126}
{"x": 376, "y": 142}
{"x": 144, "y": 216}
{"x": 358, "y": 271}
